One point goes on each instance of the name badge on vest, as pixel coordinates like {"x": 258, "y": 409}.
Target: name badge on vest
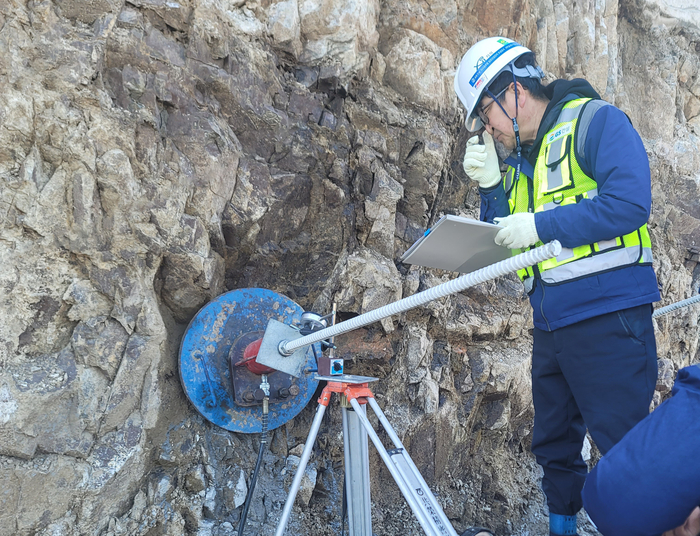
{"x": 558, "y": 133}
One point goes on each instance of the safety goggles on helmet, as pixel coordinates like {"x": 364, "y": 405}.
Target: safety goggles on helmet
{"x": 482, "y": 63}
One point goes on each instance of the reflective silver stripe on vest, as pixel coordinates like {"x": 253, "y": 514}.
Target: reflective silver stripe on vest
{"x": 508, "y": 181}
{"x": 598, "y": 263}
{"x": 566, "y": 253}
{"x": 551, "y": 205}
{"x": 555, "y": 179}
{"x": 606, "y": 244}
{"x": 529, "y": 282}
{"x": 568, "y": 114}
{"x": 584, "y": 122}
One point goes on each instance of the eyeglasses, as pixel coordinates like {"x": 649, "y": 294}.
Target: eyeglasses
{"x": 481, "y": 111}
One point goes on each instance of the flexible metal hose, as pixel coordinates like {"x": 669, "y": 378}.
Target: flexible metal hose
{"x": 674, "y": 306}
{"x": 523, "y": 260}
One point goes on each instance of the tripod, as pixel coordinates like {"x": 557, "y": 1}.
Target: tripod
{"x": 356, "y": 395}
{"x": 282, "y": 348}
{"x": 238, "y": 316}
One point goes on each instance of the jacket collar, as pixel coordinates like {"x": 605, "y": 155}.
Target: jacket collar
{"x": 559, "y": 93}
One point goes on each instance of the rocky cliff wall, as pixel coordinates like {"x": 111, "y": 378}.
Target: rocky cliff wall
{"x": 154, "y": 154}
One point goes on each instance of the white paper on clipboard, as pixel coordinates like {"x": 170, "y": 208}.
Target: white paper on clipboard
{"x": 457, "y": 244}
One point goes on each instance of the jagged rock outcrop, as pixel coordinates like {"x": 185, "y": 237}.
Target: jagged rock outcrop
{"x": 155, "y": 154}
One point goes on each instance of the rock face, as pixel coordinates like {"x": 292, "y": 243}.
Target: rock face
{"x": 155, "y": 154}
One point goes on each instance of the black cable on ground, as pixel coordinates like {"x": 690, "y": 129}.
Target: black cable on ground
{"x": 344, "y": 509}
{"x": 263, "y": 442}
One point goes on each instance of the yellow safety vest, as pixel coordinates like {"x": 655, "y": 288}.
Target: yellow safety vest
{"x": 559, "y": 181}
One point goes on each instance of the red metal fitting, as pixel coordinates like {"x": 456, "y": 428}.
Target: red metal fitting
{"x": 249, "y": 355}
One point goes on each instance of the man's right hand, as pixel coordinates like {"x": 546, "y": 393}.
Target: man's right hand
{"x": 481, "y": 161}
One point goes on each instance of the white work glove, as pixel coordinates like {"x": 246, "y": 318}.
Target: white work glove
{"x": 481, "y": 161}
{"x": 519, "y": 231}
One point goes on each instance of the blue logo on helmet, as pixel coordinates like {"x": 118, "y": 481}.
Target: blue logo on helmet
{"x": 484, "y": 62}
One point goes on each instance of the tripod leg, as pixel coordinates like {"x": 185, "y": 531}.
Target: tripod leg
{"x": 430, "y": 525}
{"x": 296, "y": 483}
{"x": 411, "y": 467}
{"x": 356, "y": 472}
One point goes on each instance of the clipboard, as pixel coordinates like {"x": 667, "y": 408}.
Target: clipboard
{"x": 457, "y": 244}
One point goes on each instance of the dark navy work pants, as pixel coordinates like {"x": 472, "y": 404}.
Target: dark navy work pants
{"x": 598, "y": 374}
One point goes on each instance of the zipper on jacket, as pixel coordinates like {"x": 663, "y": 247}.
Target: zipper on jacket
{"x": 542, "y": 307}
{"x": 538, "y": 277}
{"x": 535, "y": 268}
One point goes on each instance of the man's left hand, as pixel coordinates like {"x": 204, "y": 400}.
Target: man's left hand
{"x": 519, "y": 231}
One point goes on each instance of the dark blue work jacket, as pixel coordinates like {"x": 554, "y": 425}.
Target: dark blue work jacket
{"x": 650, "y": 481}
{"x": 615, "y": 158}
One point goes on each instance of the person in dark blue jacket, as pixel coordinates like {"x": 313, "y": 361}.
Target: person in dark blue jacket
{"x": 649, "y": 482}
{"x": 578, "y": 174}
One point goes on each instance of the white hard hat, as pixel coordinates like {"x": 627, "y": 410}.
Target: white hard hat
{"x": 482, "y": 63}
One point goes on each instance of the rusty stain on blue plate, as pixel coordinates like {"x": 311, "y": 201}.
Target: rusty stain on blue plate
{"x": 204, "y": 351}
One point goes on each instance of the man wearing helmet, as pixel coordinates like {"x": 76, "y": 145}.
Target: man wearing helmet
{"x": 578, "y": 173}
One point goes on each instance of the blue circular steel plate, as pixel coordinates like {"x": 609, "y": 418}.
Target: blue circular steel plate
{"x": 204, "y": 358}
